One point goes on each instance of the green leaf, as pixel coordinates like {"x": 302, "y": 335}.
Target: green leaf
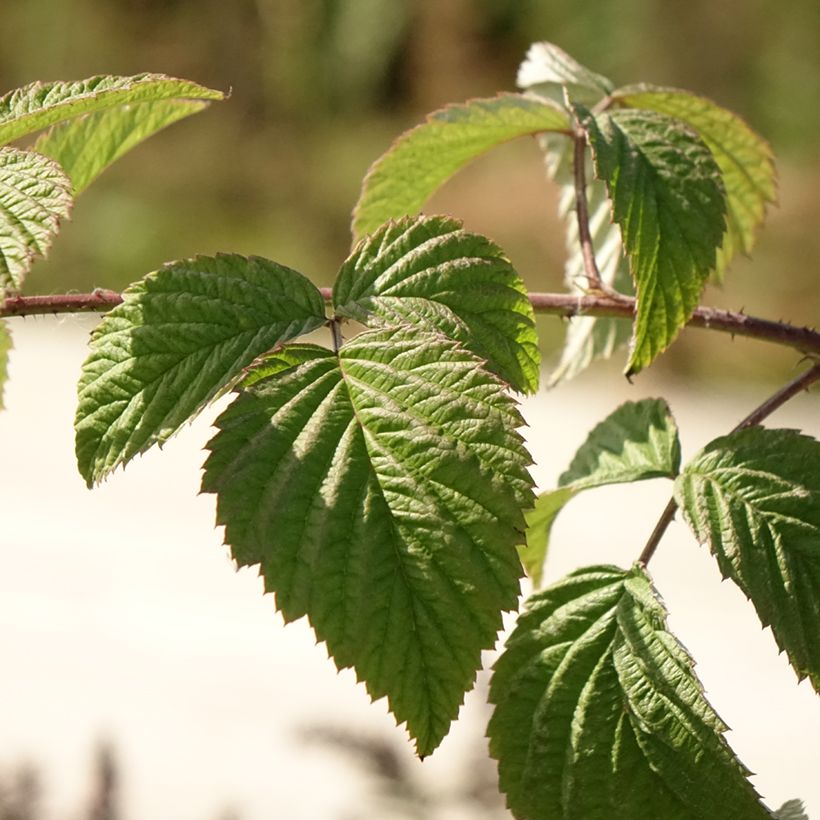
{"x": 548, "y": 70}
{"x": 754, "y": 497}
{"x": 5, "y": 347}
{"x": 35, "y": 195}
{"x": 637, "y": 441}
{"x": 792, "y": 810}
{"x": 744, "y": 158}
{"x": 39, "y": 105}
{"x": 668, "y": 201}
{"x": 422, "y": 159}
{"x": 380, "y": 493}
{"x": 429, "y": 272}
{"x": 181, "y": 335}
{"x": 599, "y": 715}
{"x": 86, "y": 146}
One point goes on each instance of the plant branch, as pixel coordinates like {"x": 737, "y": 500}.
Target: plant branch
{"x": 761, "y": 412}
{"x": 582, "y": 212}
{"x": 803, "y": 339}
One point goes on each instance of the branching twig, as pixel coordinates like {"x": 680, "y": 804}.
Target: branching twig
{"x": 764, "y": 410}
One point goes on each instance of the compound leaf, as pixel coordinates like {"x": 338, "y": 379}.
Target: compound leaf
{"x": 754, "y": 497}
{"x": 422, "y": 159}
{"x": 39, "y": 105}
{"x": 599, "y": 715}
{"x": 35, "y": 195}
{"x": 86, "y": 146}
{"x": 745, "y": 160}
{"x": 637, "y": 441}
{"x": 429, "y": 272}
{"x": 5, "y": 347}
{"x": 668, "y": 200}
{"x": 380, "y": 493}
{"x": 181, "y": 335}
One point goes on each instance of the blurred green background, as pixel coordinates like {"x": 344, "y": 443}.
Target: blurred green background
{"x": 320, "y": 87}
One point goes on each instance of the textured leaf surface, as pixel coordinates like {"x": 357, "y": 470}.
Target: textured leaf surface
{"x": 638, "y": 441}
{"x": 86, "y": 146}
{"x": 35, "y": 195}
{"x": 754, "y": 497}
{"x": 428, "y": 272}
{"x": 599, "y": 714}
{"x": 745, "y": 159}
{"x": 39, "y": 105}
{"x": 668, "y": 201}
{"x": 422, "y": 159}
{"x": 5, "y": 347}
{"x": 181, "y": 335}
{"x": 548, "y": 70}
{"x": 380, "y": 493}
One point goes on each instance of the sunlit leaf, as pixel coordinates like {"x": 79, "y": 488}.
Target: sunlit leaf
{"x": 380, "y": 493}
{"x": 429, "y": 272}
{"x": 599, "y": 714}
{"x": 181, "y": 335}
{"x": 754, "y": 497}
{"x": 5, "y": 347}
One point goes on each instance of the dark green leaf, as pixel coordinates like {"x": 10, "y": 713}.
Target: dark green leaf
{"x": 35, "y": 195}
{"x": 39, "y": 105}
{"x": 380, "y": 493}
{"x": 181, "y": 335}
{"x": 668, "y": 201}
{"x": 422, "y": 159}
{"x": 599, "y": 714}
{"x": 745, "y": 160}
{"x": 428, "y": 272}
{"x": 754, "y": 497}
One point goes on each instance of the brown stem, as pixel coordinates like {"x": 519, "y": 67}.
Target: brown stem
{"x": 582, "y": 212}
{"x": 761, "y": 412}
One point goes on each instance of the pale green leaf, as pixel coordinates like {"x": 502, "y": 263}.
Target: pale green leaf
{"x": 181, "y": 335}
{"x": 668, "y": 200}
{"x": 548, "y": 70}
{"x": 380, "y": 493}
{"x": 86, "y": 146}
{"x": 637, "y": 441}
{"x": 5, "y": 347}
{"x": 35, "y": 195}
{"x": 429, "y": 272}
{"x": 744, "y": 158}
{"x": 754, "y": 497}
{"x": 599, "y": 715}
{"x": 422, "y": 159}
{"x": 792, "y": 810}
{"x": 39, "y": 105}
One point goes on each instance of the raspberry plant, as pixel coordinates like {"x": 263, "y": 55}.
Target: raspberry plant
{"x": 380, "y": 483}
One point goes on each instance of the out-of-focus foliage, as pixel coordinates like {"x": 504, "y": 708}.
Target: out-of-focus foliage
{"x": 321, "y": 87}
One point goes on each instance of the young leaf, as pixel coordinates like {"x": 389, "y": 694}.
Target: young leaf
{"x": 39, "y": 105}
{"x": 599, "y": 713}
{"x": 380, "y": 492}
{"x": 86, "y": 146}
{"x": 181, "y": 335}
{"x": 5, "y": 347}
{"x": 422, "y": 159}
{"x": 754, "y": 497}
{"x": 428, "y": 272}
{"x": 638, "y": 441}
{"x": 668, "y": 200}
{"x": 744, "y": 158}
{"x": 548, "y": 70}
{"x": 35, "y": 195}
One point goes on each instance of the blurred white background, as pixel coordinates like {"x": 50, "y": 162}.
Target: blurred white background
{"x": 122, "y": 619}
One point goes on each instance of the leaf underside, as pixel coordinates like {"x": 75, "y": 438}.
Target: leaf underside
{"x": 599, "y": 715}
{"x": 754, "y": 497}
{"x": 667, "y": 197}
{"x": 181, "y": 335}
{"x": 422, "y": 159}
{"x": 745, "y": 160}
{"x": 380, "y": 494}
{"x": 430, "y": 273}
{"x": 35, "y": 195}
